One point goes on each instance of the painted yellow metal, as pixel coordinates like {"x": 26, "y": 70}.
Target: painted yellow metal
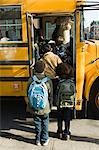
{"x": 91, "y": 76}
{"x": 52, "y": 6}
{"x": 91, "y": 66}
{"x": 13, "y": 53}
{"x": 80, "y": 74}
{"x": 10, "y": 2}
{"x": 14, "y": 71}
{"x": 80, "y": 64}
{"x": 13, "y": 88}
{"x": 40, "y": 6}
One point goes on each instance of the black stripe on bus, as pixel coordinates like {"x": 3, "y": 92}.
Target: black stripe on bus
{"x": 13, "y": 44}
{"x": 14, "y": 78}
{"x": 14, "y": 62}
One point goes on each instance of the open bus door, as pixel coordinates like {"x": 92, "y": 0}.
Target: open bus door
{"x": 30, "y": 36}
{"x": 31, "y": 49}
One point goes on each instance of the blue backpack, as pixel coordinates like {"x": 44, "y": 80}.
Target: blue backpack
{"x": 38, "y": 93}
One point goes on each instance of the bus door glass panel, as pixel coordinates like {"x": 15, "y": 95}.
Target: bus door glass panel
{"x": 82, "y": 26}
{"x": 49, "y": 30}
{"x": 30, "y": 34}
{"x": 10, "y": 23}
{"x": 74, "y": 40}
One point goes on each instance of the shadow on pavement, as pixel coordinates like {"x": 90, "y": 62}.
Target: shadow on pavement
{"x": 32, "y": 141}
{"x": 17, "y": 137}
{"x": 10, "y": 109}
{"x": 84, "y": 139}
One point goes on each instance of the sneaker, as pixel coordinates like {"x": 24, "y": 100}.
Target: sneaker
{"x": 46, "y": 143}
{"x": 38, "y": 143}
{"x": 69, "y": 136}
{"x": 66, "y": 136}
{"x": 69, "y": 133}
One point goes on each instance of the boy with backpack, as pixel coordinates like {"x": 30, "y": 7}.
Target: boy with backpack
{"x": 65, "y": 99}
{"x": 40, "y": 98}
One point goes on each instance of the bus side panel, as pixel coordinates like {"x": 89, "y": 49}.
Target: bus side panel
{"x": 14, "y": 70}
{"x": 9, "y": 71}
{"x": 13, "y": 88}
{"x": 12, "y": 53}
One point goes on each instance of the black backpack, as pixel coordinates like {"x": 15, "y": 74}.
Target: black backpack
{"x": 66, "y": 93}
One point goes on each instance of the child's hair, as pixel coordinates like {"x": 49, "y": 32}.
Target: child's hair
{"x": 39, "y": 66}
{"x": 64, "y": 70}
{"x": 47, "y": 48}
{"x": 60, "y": 40}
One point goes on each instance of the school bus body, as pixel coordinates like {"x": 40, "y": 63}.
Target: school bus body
{"x": 16, "y": 58}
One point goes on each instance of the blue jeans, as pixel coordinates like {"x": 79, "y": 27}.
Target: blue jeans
{"x": 41, "y": 127}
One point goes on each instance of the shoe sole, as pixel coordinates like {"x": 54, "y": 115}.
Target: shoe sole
{"x": 46, "y": 143}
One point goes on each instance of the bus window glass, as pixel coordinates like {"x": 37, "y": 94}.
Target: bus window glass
{"x": 10, "y": 23}
{"x": 49, "y": 30}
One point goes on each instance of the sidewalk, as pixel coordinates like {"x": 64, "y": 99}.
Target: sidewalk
{"x": 21, "y": 136}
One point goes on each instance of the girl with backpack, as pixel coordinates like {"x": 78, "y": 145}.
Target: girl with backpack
{"x": 64, "y": 99}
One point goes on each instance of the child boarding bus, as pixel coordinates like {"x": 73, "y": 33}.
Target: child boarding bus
{"x": 24, "y": 24}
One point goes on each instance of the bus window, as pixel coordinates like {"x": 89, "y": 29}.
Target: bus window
{"x": 10, "y": 23}
{"x": 49, "y": 30}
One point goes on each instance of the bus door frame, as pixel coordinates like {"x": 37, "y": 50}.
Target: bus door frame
{"x": 30, "y": 37}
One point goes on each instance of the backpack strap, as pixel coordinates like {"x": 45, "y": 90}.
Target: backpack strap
{"x": 45, "y": 79}
{"x": 34, "y": 78}
{"x": 72, "y": 81}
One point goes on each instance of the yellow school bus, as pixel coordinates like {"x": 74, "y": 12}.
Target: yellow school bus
{"x": 19, "y": 22}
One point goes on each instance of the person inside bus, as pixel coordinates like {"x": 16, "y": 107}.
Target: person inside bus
{"x": 51, "y": 61}
{"x": 66, "y": 32}
{"x": 53, "y": 46}
{"x": 12, "y": 35}
{"x": 61, "y": 49}
{"x": 63, "y": 27}
{"x": 61, "y": 35}
{"x": 57, "y": 31}
{"x": 65, "y": 53}
{"x": 5, "y": 38}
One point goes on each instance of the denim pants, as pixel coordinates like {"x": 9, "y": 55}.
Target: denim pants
{"x": 41, "y": 127}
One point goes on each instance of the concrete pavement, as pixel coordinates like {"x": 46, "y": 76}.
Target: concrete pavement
{"x": 21, "y": 136}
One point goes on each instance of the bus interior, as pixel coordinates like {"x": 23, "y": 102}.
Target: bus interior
{"x": 44, "y": 27}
